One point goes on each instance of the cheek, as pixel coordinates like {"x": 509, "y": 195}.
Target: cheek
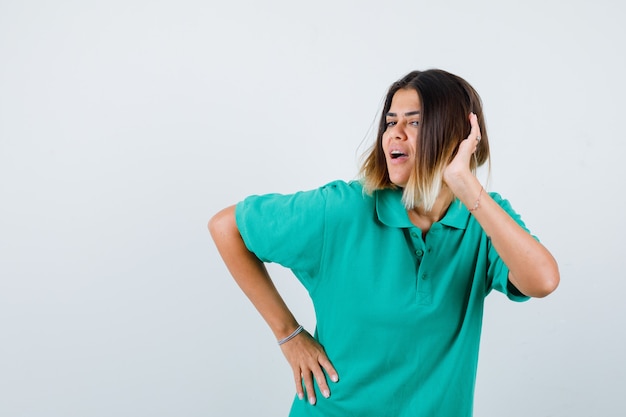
{"x": 383, "y": 145}
{"x": 385, "y": 141}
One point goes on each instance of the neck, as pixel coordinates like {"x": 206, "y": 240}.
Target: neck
{"x": 439, "y": 208}
{"x": 424, "y": 219}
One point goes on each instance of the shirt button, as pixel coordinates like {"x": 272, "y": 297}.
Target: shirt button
{"x": 419, "y": 252}
{"x": 424, "y": 276}
{"x": 413, "y": 234}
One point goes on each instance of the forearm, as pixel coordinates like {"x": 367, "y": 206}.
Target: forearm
{"x": 532, "y": 269}
{"x": 250, "y": 274}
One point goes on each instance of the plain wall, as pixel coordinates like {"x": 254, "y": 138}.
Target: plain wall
{"x": 125, "y": 125}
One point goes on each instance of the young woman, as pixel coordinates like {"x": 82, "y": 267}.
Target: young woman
{"x": 397, "y": 264}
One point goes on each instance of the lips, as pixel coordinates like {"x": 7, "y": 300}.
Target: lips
{"x": 395, "y": 154}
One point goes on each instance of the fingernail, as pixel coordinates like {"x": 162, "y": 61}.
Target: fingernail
{"x": 312, "y": 400}
{"x": 334, "y": 378}
{"x": 300, "y": 396}
{"x": 326, "y": 393}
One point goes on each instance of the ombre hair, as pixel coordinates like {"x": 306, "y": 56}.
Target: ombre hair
{"x": 446, "y": 100}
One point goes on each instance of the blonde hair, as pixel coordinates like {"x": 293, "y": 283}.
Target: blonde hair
{"x": 447, "y": 101}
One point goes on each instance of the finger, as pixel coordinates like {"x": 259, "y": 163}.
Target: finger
{"x": 297, "y": 376}
{"x": 320, "y": 378}
{"x": 308, "y": 385}
{"x": 329, "y": 368}
{"x": 475, "y": 128}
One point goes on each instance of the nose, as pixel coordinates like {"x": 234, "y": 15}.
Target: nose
{"x": 397, "y": 132}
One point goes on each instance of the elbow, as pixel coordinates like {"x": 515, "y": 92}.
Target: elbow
{"x": 547, "y": 288}
{"x": 548, "y": 282}
{"x": 213, "y": 224}
{"x": 222, "y": 223}
{"x": 539, "y": 282}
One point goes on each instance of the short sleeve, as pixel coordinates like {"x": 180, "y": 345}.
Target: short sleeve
{"x": 285, "y": 229}
{"x": 498, "y": 273}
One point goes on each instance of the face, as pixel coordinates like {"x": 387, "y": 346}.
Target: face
{"x": 400, "y": 138}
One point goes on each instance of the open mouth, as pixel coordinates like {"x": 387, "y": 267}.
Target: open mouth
{"x": 397, "y": 154}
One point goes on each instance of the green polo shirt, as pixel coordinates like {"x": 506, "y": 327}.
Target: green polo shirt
{"x": 399, "y": 316}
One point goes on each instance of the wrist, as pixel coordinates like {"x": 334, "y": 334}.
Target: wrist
{"x": 466, "y": 188}
{"x": 293, "y": 334}
{"x": 476, "y": 205}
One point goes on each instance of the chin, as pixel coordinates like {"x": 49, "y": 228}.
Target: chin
{"x": 399, "y": 182}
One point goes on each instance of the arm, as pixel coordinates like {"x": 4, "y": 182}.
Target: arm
{"x": 304, "y": 354}
{"x": 532, "y": 269}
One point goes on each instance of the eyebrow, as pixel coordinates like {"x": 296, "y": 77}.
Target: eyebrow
{"x": 409, "y": 113}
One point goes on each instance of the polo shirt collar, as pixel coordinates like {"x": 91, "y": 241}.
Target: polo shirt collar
{"x": 391, "y": 212}
{"x": 457, "y": 215}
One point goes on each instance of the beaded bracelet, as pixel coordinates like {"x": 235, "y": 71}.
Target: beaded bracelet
{"x": 291, "y": 336}
{"x": 477, "y": 204}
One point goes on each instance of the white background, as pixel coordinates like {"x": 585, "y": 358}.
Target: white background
{"x": 125, "y": 125}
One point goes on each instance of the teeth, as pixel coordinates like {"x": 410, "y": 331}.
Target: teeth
{"x": 397, "y": 154}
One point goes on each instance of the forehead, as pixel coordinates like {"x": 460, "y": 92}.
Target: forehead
{"x": 405, "y": 100}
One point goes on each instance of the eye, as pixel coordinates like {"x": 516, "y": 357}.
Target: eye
{"x": 414, "y": 123}
{"x": 391, "y": 123}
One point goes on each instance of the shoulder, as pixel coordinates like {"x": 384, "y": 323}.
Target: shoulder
{"x": 335, "y": 195}
{"x": 346, "y": 195}
{"x": 344, "y": 186}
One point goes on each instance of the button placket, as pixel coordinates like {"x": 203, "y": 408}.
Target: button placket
{"x": 416, "y": 242}
{"x": 424, "y": 278}
{"x": 422, "y": 284}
